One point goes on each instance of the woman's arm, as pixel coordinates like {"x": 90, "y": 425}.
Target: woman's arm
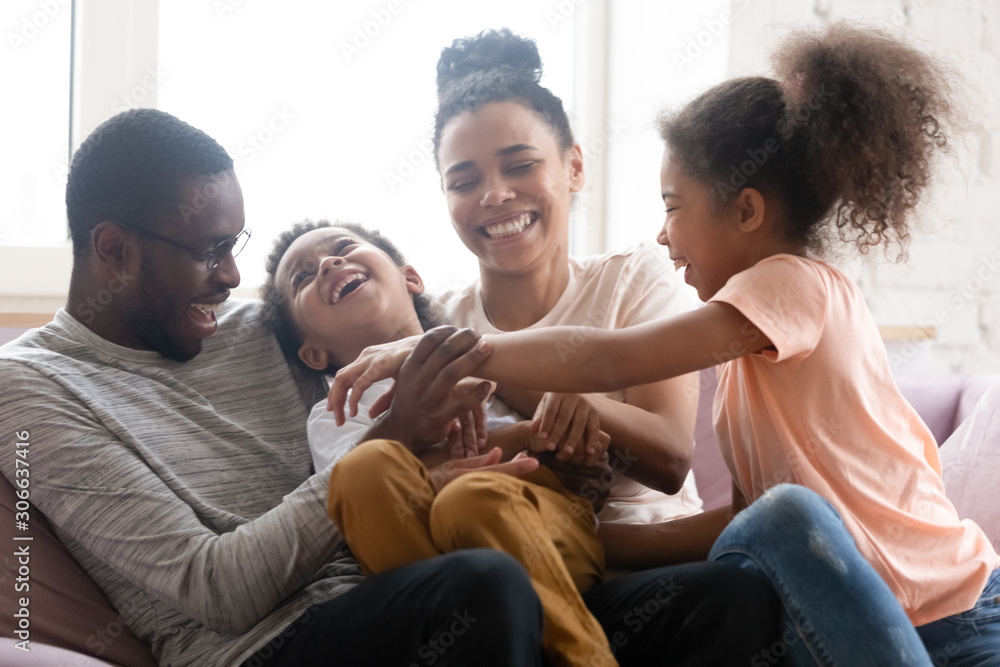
{"x": 581, "y": 359}
{"x": 641, "y": 546}
{"x": 652, "y": 431}
{"x": 645, "y": 545}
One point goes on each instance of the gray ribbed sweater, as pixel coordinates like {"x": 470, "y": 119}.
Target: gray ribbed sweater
{"x": 182, "y": 488}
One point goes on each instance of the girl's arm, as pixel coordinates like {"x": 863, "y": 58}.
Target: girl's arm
{"x": 581, "y": 359}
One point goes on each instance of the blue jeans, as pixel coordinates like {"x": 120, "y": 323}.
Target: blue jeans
{"x": 837, "y": 610}
{"x": 969, "y": 639}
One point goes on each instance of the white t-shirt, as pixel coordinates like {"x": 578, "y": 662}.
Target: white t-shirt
{"x": 611, "y": 291}
{"x": 329, "y": 443}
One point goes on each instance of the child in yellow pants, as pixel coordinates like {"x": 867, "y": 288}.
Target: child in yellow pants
{"x": 397, "y": 492}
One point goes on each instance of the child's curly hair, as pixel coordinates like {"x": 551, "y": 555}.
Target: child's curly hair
{"x": 275, "y": 308}
{"x": 847, "y": 134}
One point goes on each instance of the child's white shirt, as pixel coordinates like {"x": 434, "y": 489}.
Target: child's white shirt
{"x": 328, "y": 443}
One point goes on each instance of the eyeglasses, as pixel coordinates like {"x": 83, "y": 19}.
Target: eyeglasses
{"x": 212, "y": 257}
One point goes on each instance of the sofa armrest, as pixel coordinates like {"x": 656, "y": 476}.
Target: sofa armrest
{"x": 43, "y": 655}
{"x": 65, "y": 608}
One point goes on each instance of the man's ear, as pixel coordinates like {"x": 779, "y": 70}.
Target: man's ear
{"x": 414, "y": 283}
{"x": 575, "y": 156}
{"x": 314, "y": 357}
{"x": 750, "y": 209}
{"x": 113, "y": 247}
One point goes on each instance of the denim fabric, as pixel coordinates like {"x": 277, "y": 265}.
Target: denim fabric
{"x": 837, "y": 610}
{"x": 969, "y": 639}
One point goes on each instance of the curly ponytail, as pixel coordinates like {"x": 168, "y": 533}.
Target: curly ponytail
{"x": 854, "y": 119}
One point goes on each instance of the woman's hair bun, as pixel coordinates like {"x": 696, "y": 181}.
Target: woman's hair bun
{"x": 489, "y": 50}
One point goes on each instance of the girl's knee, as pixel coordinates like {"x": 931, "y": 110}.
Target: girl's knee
{"x": 785, "y": 514}
{"x": 792, "y": 504}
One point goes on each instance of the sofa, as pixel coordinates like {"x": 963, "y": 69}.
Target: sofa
{"x": 68, "y": 621}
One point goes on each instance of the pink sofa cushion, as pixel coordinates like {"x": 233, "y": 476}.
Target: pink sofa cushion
{"x": 970, "y": 459}
{"x": 935, "y": 398}
{"x": 43, "y": 655}
{"x": 65, "y": 608}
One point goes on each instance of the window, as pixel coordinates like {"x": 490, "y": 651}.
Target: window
{"x": 35, "y": 67}
{"x": 327, "y": 109}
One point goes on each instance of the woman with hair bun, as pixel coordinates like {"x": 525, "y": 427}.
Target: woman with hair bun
{"x": 509, "y": 170}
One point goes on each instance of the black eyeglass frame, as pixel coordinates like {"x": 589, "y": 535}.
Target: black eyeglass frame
{"x": 212, "y": 258}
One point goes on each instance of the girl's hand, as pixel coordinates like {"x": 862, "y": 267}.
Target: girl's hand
{"x": 569, "y": 425}
{"x": 490, "y": 461}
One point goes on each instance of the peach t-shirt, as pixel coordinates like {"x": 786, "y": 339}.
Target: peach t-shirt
{"x": 821, "y": 409}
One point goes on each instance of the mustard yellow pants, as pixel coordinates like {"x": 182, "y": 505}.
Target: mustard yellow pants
{"x": 382, "y": 500}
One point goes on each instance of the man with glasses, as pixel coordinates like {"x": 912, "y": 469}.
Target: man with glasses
{"x": 169, "y": 446}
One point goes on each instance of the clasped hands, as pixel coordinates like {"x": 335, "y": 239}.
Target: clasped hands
{"x": 434, "y": 399}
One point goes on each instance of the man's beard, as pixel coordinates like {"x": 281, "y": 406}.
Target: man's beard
{"x": 155, "y": 321}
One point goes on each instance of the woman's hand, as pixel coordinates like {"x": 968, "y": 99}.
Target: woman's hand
{"x": 569, "y": 425}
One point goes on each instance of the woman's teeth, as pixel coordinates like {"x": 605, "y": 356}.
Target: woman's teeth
{"x": 509, "y": 227}
{"x": 339, "y": 289}
{"x": 205, "y": 307}
{"x": 680, "y": 264}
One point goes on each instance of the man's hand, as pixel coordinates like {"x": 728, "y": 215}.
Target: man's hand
{"x": 569, "y": 425}
{"x": 429, "y": 396}
{"x": 467, "y": 435}
{"x": 490, "y": 461}
{"x": 375, "y": 363}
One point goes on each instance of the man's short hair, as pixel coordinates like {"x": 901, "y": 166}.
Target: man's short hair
{"x": 130, "y": 170}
